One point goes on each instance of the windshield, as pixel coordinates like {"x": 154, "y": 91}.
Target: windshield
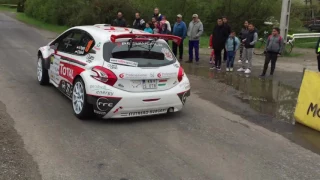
{"x": 142, "y": 54}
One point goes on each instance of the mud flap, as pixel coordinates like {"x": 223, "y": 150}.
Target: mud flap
{"x": 102, "y": 105}
{"x": 183, "y": 96}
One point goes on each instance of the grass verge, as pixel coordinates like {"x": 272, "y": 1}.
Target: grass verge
{"x": 39, "y": 24}
{"x": 8, "y": 8}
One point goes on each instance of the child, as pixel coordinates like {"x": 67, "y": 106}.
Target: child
{"x": 232, "y": 45}
{"x": 164, "y": 30}
{"x": 156, "y": 29}
{"x": 148, "y": 28}
{"x": 212, "y": 52}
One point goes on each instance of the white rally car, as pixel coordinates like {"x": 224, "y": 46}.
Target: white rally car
{"x": 114, "y": 72}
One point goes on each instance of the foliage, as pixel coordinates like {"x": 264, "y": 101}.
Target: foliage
{"x": 79, "y": 12}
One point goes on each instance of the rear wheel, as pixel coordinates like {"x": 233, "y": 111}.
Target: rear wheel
{"x": 42, "y": 73}
{"x": 81, "y": 108}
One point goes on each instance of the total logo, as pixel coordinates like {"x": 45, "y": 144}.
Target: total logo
{"x": 66, "y": 71}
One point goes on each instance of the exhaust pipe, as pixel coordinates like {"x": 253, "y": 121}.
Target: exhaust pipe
{"x": 171, "y": 110}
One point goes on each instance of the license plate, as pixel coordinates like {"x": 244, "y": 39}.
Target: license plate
{"x": 149, "y": 84}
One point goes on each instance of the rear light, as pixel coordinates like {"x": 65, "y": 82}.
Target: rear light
{"x": 180, "y": 74}
{"x": 104, "y": 75}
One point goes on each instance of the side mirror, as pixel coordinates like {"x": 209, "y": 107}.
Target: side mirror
{"x": 92, "y": 51}
{"x": 54, "y": 47}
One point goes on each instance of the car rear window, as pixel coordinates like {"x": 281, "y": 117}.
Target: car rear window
{"x": 141, "y": 53}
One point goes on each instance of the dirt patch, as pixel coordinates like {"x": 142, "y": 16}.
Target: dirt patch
{"x": 15, "y": 162}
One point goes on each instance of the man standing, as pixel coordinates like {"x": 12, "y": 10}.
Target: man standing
{"x": 157, "y": 15}
{"x": 139, "y": 23}
{"x": 180, "y": 30}
{"x": 243, "y": 33}
{"x": 219, "y": 37}
{"x": 273, "y": 49}
{"x": 249, "y": 43}
{"x": 318, "y": 53}
{"x": 195, "y": 30}
{"x": 228, "y": 30}
{"x": 119, "y": 21}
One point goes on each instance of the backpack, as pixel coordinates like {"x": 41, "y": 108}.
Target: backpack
{"x": 280, "y": 39}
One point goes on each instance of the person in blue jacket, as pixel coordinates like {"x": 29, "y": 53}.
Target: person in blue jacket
{"x": 180, "y": 30}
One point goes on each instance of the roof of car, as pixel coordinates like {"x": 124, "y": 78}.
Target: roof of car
{"x": 103, "y": 32}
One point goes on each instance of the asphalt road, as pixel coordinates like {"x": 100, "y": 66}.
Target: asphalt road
{"x": 204, "y": 141}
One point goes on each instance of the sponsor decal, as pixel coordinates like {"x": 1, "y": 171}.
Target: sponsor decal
{"x": 112, "y": 66}
{"x": 99, "y": 112}
{"x": 80, "y": 50}
{"x": 133, "y": 76}
{"x": 101, "y": 90}
{"x": 149, "y": 112}
{"x": 167, "y": 54}
{"x": 123, "y": 62}
{"x": 183, "y": 96}
{"x": 118, "y": 109}
{"x": 97, "y": 47}
{"x": 66, "y": 72}
{"x": 66, "y": 88}
{"x": 89, "y": 58}
{"x": 120, "y": 85}
{"x": 142, "y": 43}
{"x": 136, "y": 84}
{"x": 152, "y": 75}
{"x": 103, "y": 104}
{"x": 176, "y": 65}
{"x": 89, "y": 45}
{"x": 166, "y": 75}
{"x": 175, "y": 82}
{"x": 162, "y": 82}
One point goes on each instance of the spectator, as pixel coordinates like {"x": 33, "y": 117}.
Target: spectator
{"x": 232, "y": 45}
{"x": 148, "y": 28}
{"x": 318, "y": 53}
{"x": 180, "y": 30}
{"x": 139, "y": 23}
{"x": 164, "y": 29}
{"x": 228, "y": 30}
{"x": 243, "y": 33}
{"x": 165, "y": 21}
{"x": 273, "y": 49}
{"x": 156, "y": 29}
{"x": 157, "y": 15}
{"x": 212, "y": 52}
{"x": 249, "y": 43}
{"x": 219, "y": 37}
{"x": 153, "y": 20}
{"x": 195, "y": 30}
{"x": 119, "y": 21}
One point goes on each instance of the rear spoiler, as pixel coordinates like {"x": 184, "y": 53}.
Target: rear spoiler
{"x": 173, "y": 38}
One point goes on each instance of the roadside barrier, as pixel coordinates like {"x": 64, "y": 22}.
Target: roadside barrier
{"x": 307, "y": 110}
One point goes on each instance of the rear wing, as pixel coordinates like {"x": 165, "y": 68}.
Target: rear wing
{"x": 166, "y": 37}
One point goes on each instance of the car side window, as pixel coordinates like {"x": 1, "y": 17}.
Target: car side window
{"x": 85, "y": 45}
{"x": 68, "y": 42}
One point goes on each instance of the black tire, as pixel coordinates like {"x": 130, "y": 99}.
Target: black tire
{"x": 42, "y": 76}
{"x": 86, "y": 109}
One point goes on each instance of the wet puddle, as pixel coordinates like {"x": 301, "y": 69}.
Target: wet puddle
{"x": 266, "y": 96}
{"x": 271, "y": 97}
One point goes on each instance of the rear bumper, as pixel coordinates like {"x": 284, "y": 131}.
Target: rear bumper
{"x": 138, "y": 104}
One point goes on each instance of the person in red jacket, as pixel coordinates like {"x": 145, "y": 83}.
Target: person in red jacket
{"x": 212, "y": 52}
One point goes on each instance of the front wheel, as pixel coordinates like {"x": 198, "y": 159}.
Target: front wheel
{"x": 42, "y": 73}
{"x": 81, "y": 108}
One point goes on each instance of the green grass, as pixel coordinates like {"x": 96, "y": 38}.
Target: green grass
{"x": 306, "y": 43}
{"x": 39, "y": 24}
{"x": 8, "y": 8}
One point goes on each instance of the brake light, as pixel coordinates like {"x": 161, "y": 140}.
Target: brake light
{"x": 180, "y": 74}
{"x": 104, "y": 75}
